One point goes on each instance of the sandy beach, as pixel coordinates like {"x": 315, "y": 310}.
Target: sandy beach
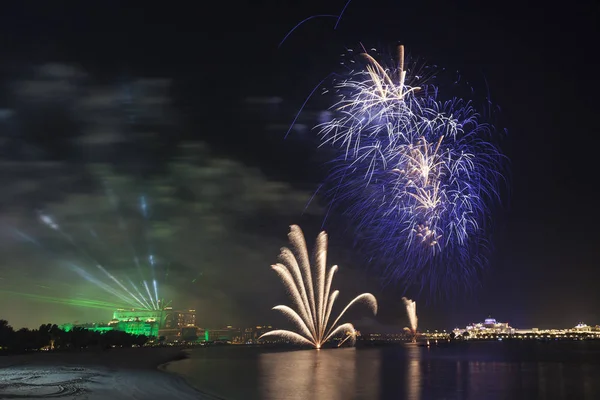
{"x": 94, "y": 375}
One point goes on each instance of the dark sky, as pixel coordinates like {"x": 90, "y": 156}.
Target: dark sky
{"x": 151, "y": 101}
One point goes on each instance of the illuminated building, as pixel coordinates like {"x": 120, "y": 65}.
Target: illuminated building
{"x": 138, "y": 322}
{"x": 145, "y": 328}
{"x": 581, "y": 327}
{"x": 227, "y": 334}
{"x": 248, "y": 335}
{"x": 166, "y": 322}
{"x": 251, "y": 335}
{"x": 489, "y": 326}
{"x": 137, "y": 327}
{"x": 152, "y": 323}
{"x": 138, "y": 315}
{"x": 261, "y": 330}
{"x": 491, "y": 329}
{"x": 174, "y": 321}
{"x": 383, "y": 337}
{"x": 189, "y": 334}
{"x": 178, "y": 319}
{"x": 91, "y": 327}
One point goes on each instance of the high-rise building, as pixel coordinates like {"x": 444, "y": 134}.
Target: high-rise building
{"x": 178, "y": 319}
{"x": 174, "y": 321}
{"x": 251, "y": 335}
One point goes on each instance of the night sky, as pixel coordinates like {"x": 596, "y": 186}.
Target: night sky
{"x": 105, "y": 108}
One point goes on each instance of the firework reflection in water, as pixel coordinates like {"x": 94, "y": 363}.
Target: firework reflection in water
{"x": 320, "y": 375}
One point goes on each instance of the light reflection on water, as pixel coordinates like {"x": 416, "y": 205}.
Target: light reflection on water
{"x": 319, "y": 375}
{"x": 481, "y": 371}
{"x": 413, "y": 373}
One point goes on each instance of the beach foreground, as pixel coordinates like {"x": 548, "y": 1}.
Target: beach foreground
{"x": 116, "y": 374}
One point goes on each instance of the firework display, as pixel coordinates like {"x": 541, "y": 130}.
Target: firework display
{"x": 415, "y": 174}
{"x": 411, "y": 311}
{"x": 312, "y": 294}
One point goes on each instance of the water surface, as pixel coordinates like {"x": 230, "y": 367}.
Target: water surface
{"x": 520, "y": 370}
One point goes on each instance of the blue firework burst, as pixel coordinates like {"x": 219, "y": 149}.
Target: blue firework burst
{"x": 415, "y": 175}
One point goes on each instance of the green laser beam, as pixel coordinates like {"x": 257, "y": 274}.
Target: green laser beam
{"x": 73, "y": 302}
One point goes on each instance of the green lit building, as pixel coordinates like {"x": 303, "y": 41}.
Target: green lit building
{"x": 92, "y": 327}
{"x": 138, "y": 322}
{"x": 146, "y": 328}
{"x": 149, "y": 329}
{"x": 139, "y": 315}
{"x": 227, "y": 334}
{"x": 151, "y": 323}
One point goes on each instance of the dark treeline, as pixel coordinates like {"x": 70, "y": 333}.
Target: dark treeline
{"x": 51, "y": 337}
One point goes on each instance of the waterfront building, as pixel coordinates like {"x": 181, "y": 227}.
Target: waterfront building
{"x": 383, "y": 337}
{"x": 167, "y": 323}
{"x": 178, "y": 319}
{"x": 487, "y": 327}
{"x": 228, "y": 334}
{"x": 95, "y": 327}
{"x": 490, "y": 328}
{"x": 145, "y": 328}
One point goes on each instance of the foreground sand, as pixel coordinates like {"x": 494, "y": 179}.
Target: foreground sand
{"x": 116, "y": 374}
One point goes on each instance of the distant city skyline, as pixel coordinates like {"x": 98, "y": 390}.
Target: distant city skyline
{"x": 113, "y": 106}
{"x": 132, "y": 314}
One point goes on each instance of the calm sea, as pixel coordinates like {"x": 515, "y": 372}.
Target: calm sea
{"x": 479, "y": 371}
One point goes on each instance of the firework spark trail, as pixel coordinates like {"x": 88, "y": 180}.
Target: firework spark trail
{"x": 411, "y": 311}
{"x": 312, "y": 92}
{"x": 337, "y": 17}
{"x": 416, "y": 175}
{"x": 302, "y": 22}
{"x": 313, "y": 304}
